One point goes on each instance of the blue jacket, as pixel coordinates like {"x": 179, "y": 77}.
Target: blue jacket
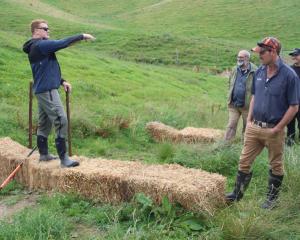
{"x": 44, "y": 65}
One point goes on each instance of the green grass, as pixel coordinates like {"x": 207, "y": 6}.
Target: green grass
{"x": 139, "y": 70}
{"x": 141, "y": 219}
{"x": 123, "y": 92}
{"x": 12, "y": 188}
{"x": 203, "y": 33}
{"x": 35, "y": 224}
{"x": 56, "y": 216}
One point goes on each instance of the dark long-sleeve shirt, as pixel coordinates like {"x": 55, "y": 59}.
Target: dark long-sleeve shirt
{"x": 44, "y": 65}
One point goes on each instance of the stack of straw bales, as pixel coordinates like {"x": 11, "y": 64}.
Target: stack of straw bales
{"x": 161, "y": 132}
{"x": 115, "y": 181}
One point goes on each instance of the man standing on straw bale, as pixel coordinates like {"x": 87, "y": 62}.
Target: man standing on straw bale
{"x": 273, "y": 105}
{"x": 291, "y": 130}
{"x": 240, "y": 83}
{"x": 47, "y": 79}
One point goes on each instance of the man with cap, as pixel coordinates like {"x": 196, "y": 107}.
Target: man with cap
{"x": 47, "y": 79}
{"x": 291, "y": 130}
{"x": 273, "y": 105}
{"x": 240, "y": 83}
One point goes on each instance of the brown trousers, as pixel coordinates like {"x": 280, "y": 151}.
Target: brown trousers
{"x": 234, "y": 115}
{"x": 256, "y": 138}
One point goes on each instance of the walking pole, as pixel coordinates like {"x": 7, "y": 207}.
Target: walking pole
{"x": 30, "y": 116}
{"x": 69, "y": 122}
{"x": 14, "y": 172}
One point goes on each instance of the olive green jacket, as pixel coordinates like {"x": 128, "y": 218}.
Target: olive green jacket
{"x": 232, "y": 79}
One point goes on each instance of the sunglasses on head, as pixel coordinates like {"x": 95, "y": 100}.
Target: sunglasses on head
{"x": 44, "y": 28}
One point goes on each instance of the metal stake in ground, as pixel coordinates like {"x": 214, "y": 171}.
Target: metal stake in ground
{"x": 14, "y": 172}
{"x": 69, "y": 122}
{"x": 30, "y": 116}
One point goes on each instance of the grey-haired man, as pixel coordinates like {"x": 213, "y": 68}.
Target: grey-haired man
{"x": 240, "y": 82}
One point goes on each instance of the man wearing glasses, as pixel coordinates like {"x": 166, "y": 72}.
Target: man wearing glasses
{"x": 273, "y": 105}
{"x": 47, "y": 79}
{"x": 240, "y": 83}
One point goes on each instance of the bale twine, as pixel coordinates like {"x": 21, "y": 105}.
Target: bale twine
{"x": 115, "y": 181}
{"x": 161, "y": 132}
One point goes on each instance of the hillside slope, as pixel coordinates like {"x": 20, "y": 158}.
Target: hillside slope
{"x": 139, "y": 70}
{"x": 184, "y": 33}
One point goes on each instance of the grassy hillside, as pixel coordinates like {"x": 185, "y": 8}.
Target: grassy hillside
{"x": 184, "y": 33}
{"x": 138, "y": 70}
{"x": 107, "y": 91}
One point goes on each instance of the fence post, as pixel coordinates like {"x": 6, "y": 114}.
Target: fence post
{"x": 69, "y": 122}
{"x": 30, "y": 116}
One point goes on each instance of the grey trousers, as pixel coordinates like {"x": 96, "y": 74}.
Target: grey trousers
{"x": 51, "y": 112}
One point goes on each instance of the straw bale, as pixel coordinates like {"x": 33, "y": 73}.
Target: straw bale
{"x": 161, "y": 132}
{"x": 115, "y": 181}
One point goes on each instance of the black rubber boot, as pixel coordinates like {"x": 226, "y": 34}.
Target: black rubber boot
{"x": 61, "y": 148}
{"x": 42, "y": 143}
{"x": 241, "y": 184}
{"x": 275, "y": 182}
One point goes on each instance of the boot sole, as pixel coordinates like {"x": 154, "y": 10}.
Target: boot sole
{"x": 47, "y": 160}
{"x": 72, "y": 165}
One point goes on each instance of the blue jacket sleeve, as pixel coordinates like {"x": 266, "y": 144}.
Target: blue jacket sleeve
{"x": 51, "y": 46}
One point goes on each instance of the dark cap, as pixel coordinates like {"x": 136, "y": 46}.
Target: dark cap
{"x": 295, "y": 52}
{"x": 268, "y": 43}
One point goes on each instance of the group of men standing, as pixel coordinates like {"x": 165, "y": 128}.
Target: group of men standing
{"x": 239, "y": 95}
{"x": 267, "y": 98}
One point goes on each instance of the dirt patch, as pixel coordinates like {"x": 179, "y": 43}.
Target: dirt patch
{"x": 115, "y": 181}
{"x": 10, "y": 205}
{"x": 161, "y": 132}
{"x": 159, "y": 4}
{"x": 146, "y": 8}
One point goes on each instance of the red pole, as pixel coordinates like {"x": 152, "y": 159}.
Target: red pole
{"x": 14, "y": 172}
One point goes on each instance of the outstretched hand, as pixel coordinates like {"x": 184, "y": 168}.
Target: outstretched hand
{"x": 87, "y": 36}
